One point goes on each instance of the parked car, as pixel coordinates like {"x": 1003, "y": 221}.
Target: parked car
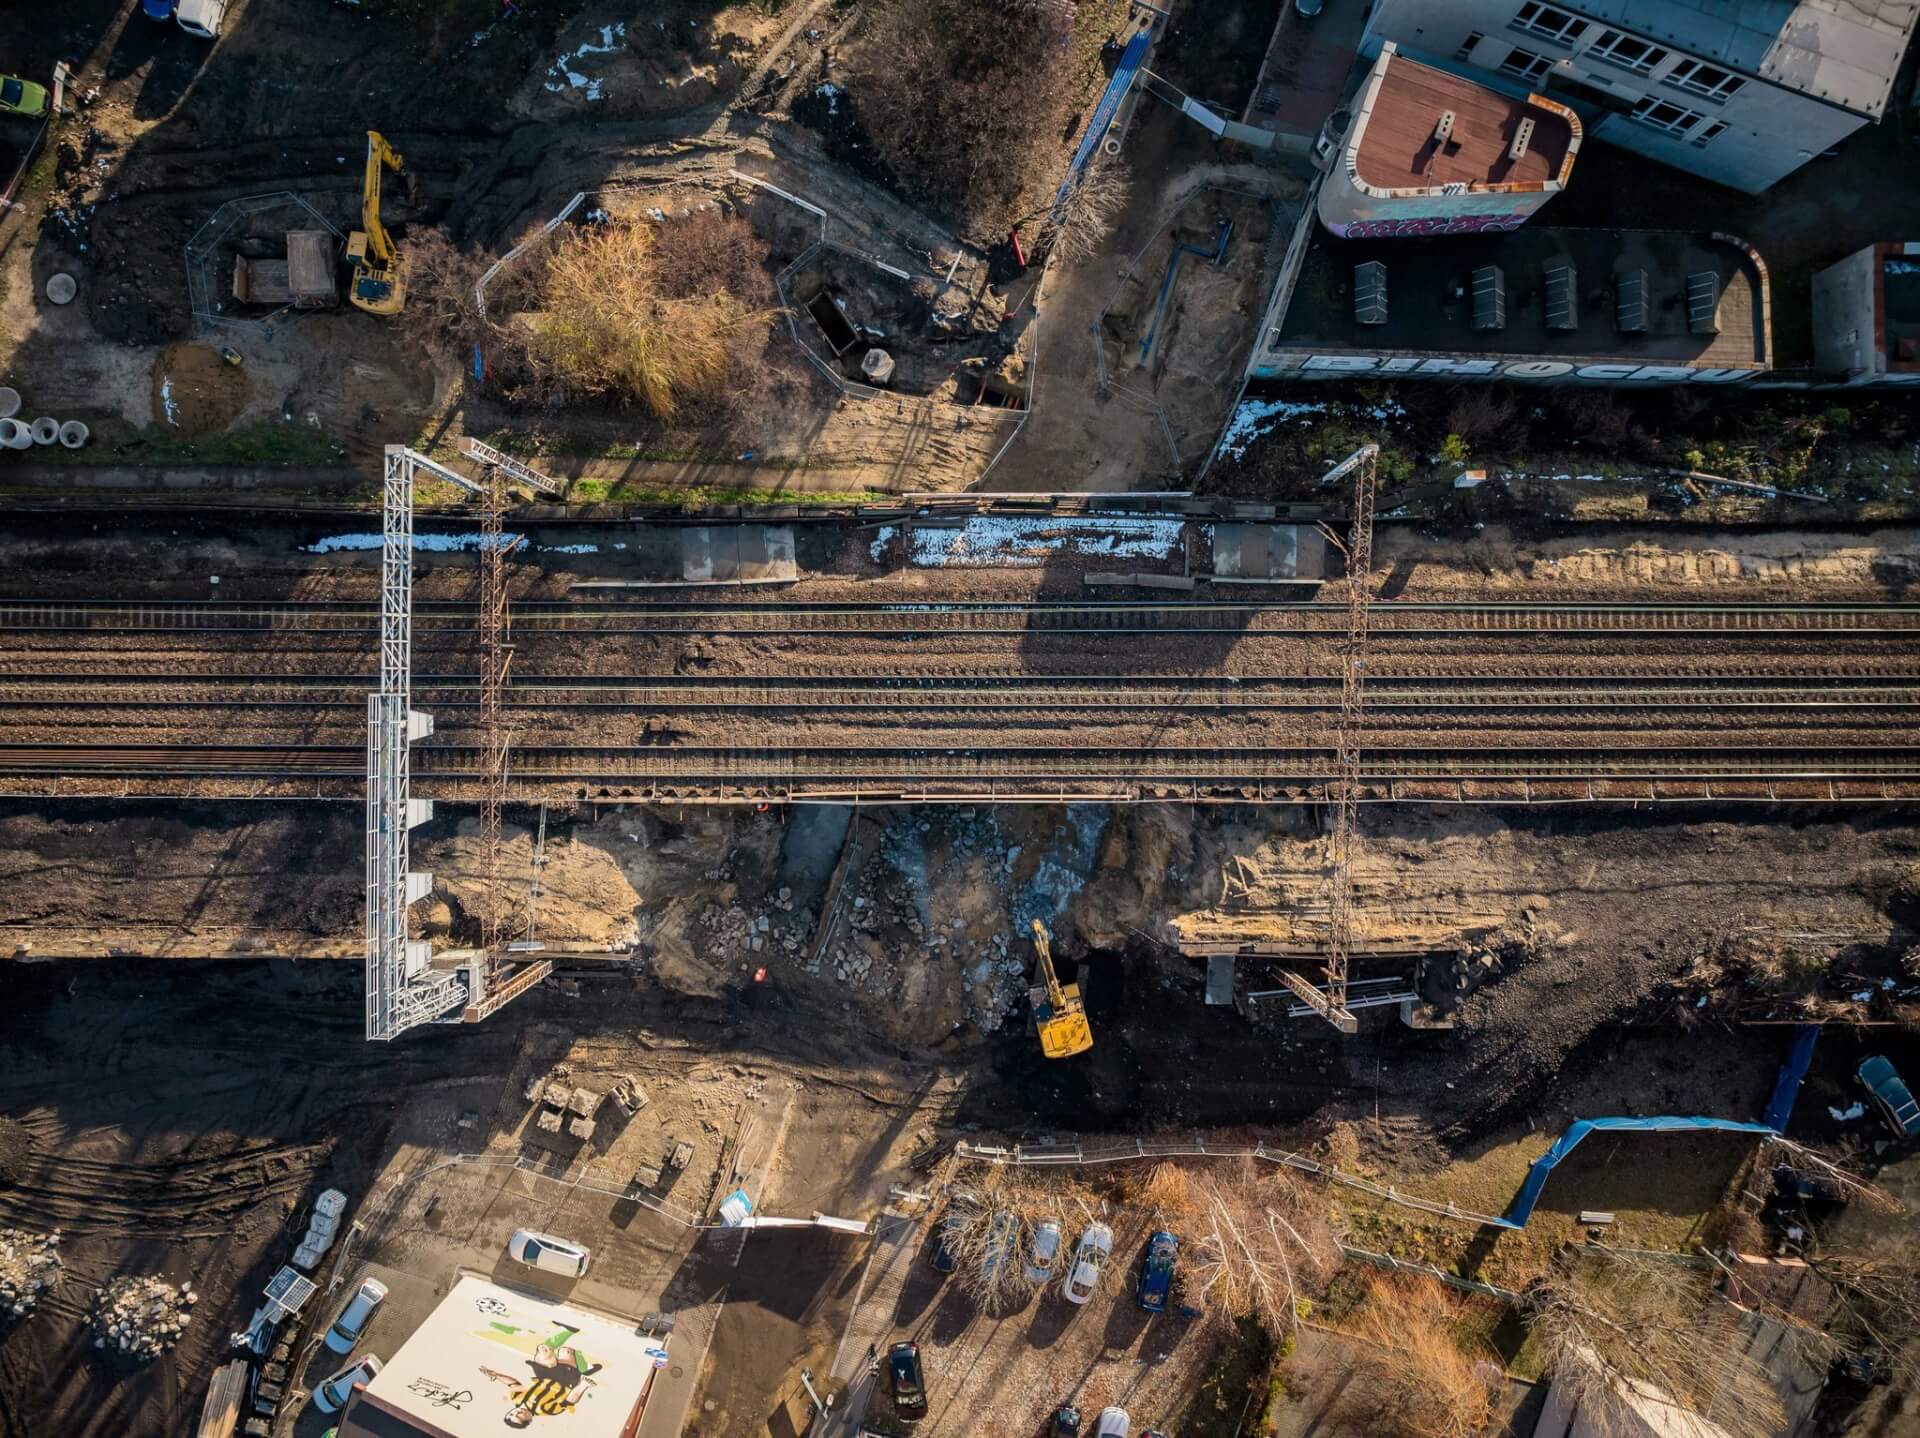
{"x": 1044, "y": 1251}
{"x": 23, "y": 97}
{"x": 1089, "y": 1256}
{"x": 1003, "y": 1243}
{"x": 157, "y": 9}
{"x": 352, "y": 1322}
{"x": 1156, "y": 1272}
{"x": 942, "y": 1257}
{"x": 201, "y": 17}
{"x": 1066, "y": 1422}
{"x": 547, "y": 1253}
{"x": 1889, "y": 1095}
{"x": 332, "y": 1396}
{"x": 1113, "y": 1423}
{"x": 908, "y": 1381}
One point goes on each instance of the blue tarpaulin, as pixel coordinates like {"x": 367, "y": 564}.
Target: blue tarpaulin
{"x": 1521, "y": 1209}
{"x": 1131, "y": 59}
{"x": 1786, "y": 1088}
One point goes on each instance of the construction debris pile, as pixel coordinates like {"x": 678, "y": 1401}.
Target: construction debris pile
{"x": 141, "y": 1317}
{"x": 29, "y": 1267}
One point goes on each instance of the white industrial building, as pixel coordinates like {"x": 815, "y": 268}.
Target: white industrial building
{"x": 1742, "y": 92}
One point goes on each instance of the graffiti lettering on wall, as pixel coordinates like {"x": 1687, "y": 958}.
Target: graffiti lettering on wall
{"x": 1425, "y": 225}
{"x": 1574, "y": 372}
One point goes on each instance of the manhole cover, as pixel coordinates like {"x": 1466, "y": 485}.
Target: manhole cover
{"x": 675, "y": 1370}
{"x": 61, "y": 288}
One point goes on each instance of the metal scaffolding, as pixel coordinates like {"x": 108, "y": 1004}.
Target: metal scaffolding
{"x": 403, "y": 990}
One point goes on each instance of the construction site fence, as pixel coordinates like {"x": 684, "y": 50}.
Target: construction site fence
{"x": 203, "y": 282}
{"x": 1427, "y": 1270}
{"x": 1075, "y": 1155}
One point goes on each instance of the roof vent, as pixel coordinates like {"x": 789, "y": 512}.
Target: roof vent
{"x": 1563, "y": 298}
{"x": 1630, "y": 302}
{"x": 1489, "y": 298}
{"x": 1521, "y": 136}
{"x": 1370, "y": 293}
{"x": 1443, "y": 131}
{"x": 1703, "y": 302}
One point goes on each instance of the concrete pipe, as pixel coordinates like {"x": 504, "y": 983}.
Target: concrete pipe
{"x": 15, "y": 435}
{"x": 46, "y": 430}
{"x": 9, "y": 402}
{"x": 73, "y": 434}
{"x": 1112, "y": 146}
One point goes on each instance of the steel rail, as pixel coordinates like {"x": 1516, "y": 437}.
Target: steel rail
{"x": 777, "y": 766}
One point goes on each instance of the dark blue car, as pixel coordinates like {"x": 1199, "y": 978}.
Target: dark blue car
{"x": 1066, "y": 1422}
{"x": 1156, "y": 1273}
{"x": 157, "y": 9}
{"x": 1890, "y": 1096}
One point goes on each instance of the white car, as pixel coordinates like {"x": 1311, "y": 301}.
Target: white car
{"x": 1003, "y": 1244}
{"x": 1089, "y": 1257}
{"x": 201, "y": 17}
{"x": 1045, "y": 1251}
{"x": 332, "y": 1396}
{"x": 545, "y": 1252}
{"x": 353, "y": 1319}
{"x": 1113, "y": 1423}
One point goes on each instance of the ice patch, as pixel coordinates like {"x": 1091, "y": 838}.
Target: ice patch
{"x": 1000, "y": 542}
{"x": 1848, "y": 1114}
{"x": 166, "y": 401}
{"x": 562, "y": 76}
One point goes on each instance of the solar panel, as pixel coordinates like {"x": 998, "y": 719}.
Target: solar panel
{"x": 1630, "y": 308}
{"x": 1489, "y": 298}
{"x": 1563, "y": 298}
{"x": 1703, "y": 302}
{"x": 1370, "y": 293}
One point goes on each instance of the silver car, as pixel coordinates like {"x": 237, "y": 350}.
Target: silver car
{"x": 544, "y": 1251}
{"x": 1089, "y": 1257}
{"x": 1044, "y": 1251}
{"x": 1003, "y": 1243}
{"x": 353, "y": 1319}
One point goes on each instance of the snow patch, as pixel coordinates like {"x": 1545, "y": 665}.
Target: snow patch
{"x": 831, "y": 93}
{"x": 1848, "y": 1114}
{"x": 166, "y": 401}
{"x": 1002, "y": 542}
{"x": 562, "y": 76}
{"x": 1258, "y": 417}
{"x": 422, "y": 543}
{"x": 881, "y": 539}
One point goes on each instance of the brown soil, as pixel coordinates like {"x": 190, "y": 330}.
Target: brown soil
{"x": 195, "y": 391}
{"x": 16, "y": 1149}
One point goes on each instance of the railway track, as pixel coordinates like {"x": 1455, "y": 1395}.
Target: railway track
{"x": 894, "y": 619}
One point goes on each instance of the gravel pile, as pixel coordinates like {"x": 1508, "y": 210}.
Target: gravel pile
{"x": 141, "y": 1317}
{"x": 29, "y": 1267}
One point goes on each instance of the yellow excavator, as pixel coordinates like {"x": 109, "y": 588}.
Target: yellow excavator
{"x": 379, "y": 284}
{"x": 1059, "y": 1016}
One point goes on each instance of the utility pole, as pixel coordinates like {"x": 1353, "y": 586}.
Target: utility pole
{"x": 1345, "y": 790}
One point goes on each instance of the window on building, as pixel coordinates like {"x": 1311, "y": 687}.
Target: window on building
{"x": 1627, "y": 52}
{"x": 1664, "y": 115}
{"x": 1705, "y": 79}
{"x": 1555, "y": 24}
{"x": 1526, "y": 64}
{"x": 1465, "y": 52}
{"x": 1707, "y": 133}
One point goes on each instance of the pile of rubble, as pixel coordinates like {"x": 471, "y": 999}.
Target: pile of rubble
{"x": 141, "y": 1318}
{"x": 737, "y": 935}
{"x": 29, "y": 1268}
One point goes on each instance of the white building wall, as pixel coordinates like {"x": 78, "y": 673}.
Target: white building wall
{"x": 1770, "y": 132}
{"x": 1844, "y": 296}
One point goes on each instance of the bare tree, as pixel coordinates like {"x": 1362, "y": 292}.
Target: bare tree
{"x": 1424, "y": 1382}
{"x": 1877, "y": 1306}
{"x": 1080, "y": 223}
{"x": 1616, "y": 1328}
{"x": 989, "y": 1231}
{"x": 1258, "y": 1243}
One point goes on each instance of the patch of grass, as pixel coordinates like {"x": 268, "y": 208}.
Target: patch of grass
{"x": 115, "y": 441}
{"x": 1236, "y": 1381}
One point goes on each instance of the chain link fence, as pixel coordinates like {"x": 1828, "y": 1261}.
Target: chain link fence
{"x": 206, "y": 275}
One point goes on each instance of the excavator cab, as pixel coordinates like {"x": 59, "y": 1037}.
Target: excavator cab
{"x": 1059, "y": 1015}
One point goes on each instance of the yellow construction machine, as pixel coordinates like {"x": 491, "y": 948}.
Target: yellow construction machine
{"x": 379, "y": 286}
{"x": 1059, "y": 1016}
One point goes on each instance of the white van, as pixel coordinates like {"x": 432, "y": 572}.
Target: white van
{"x": 201, "y": 17}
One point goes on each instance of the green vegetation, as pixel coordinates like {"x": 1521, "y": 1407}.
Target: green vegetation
{"x": 114, "y": 441}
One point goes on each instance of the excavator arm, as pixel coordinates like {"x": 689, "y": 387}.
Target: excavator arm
{"x": 1059, "y": 1015}
{"x": 379, "y": 284}
{"x": 380, "y": 157}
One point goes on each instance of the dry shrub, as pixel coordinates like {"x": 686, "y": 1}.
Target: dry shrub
{"x": 1483, "y": 416}
{"x": 1423, "y": 1381}
{"x": 990, "y": 1257}
{"x": 967, "y": 100}
{"x": 607, "y": 328}
{"x": 1165, "y": 1188}
{"x": 1257, "y": 1245}
{"x": 440, "y": 281}
{"x": 1075, "y": 230}
{"x": 1607, "y": 1328}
